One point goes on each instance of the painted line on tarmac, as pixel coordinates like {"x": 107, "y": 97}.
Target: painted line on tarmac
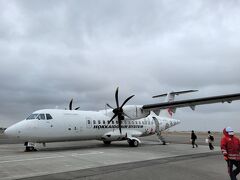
{"x": 32, "y": 159}
{"x": 51, "y": 157}
{"x": 25, "y": 176}
{"x": 83, "y": 154}
{"x": 1, "y": 157}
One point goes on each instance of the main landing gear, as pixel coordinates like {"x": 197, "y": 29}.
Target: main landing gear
{"x": 29, "y": 147}
{"x": 159, "y": 132}
{"x": 160, "y": 137}
{"x": 133, "y": 143}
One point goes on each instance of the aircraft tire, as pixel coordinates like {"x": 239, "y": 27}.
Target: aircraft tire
{"x": 107, "y": 142}
{"x": 133, "y": 143}
{"x": 29, "y": 149}
{"x": 130, "y": 143}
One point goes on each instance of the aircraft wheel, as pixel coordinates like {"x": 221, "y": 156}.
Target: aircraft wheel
{"x": 133, "y": 143}
{"x": 107, "y": 142}
{"x": 27, "y": 149}
{"x": 30, "y": 148}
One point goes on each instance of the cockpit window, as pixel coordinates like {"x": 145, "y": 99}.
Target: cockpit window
{"x": 48, "y": 116}
{"x": 32, "y": 116}
{"x": 41, "y": 116}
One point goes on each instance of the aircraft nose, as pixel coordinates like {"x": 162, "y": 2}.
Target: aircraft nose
{"x": 11, "y": 132}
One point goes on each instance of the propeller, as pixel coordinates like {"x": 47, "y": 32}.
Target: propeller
{"x": 118, "y": 111}
{"x": 70, "y": 105}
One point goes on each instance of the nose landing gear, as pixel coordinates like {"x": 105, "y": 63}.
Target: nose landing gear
{"x": 30, "y": 146}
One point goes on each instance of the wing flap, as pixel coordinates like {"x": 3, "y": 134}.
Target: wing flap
{"x": 193, "y": 102}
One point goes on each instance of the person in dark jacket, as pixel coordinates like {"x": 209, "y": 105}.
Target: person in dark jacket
{"x": 230, "y": 146}
{"x": 193, "y": 139}
{"x": 210, "y": 140}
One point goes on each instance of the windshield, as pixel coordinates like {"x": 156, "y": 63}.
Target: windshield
{"x": 33, "y": 116}
{"x": 40, "y": 116}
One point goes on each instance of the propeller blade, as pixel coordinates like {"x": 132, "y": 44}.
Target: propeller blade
{"x": 120, "y": 125}
{"x": 118, "y": 111}
{"x": 109, "y": 106}
{"x": 70, "y": 104}
{"x": 126, "y": 100}
{"x": 77, "y": 108}
{"x": 126, "y": 115}
{"x": 116, "y": 97}
{"x": 112, "y": 118}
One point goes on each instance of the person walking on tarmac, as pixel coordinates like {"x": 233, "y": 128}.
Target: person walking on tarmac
{"x": 210, "y": 140}
{"x": 230, "y": 146}
{"x": 193, "y": 139}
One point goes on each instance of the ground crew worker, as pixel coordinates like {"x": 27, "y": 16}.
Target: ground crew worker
{"x": 193, "y": 139}
{"x": 210, "y": 140}
{"x": 230, "y": 146}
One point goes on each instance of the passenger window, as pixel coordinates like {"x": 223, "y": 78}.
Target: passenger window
{"x": 48, "y": 116}
{"x": 136, "y": 122}
{"x": 103, "y": 122}
{"x": 112, "y": 122}
{"x": 88, "y": 122}
{"x": 94, "y": 122}
{"x": 99, "y": 122}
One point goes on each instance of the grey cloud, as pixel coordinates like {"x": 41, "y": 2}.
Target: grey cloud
{"x": 52, "y": 51}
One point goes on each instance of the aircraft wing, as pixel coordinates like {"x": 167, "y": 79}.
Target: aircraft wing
{"x": 193, "y": 102}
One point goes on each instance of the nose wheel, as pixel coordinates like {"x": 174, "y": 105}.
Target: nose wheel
{"x": 107, "y": 142}
{"x": 29, "y": 146}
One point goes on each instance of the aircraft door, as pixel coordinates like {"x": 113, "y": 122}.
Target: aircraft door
{"x": 88, "y": 122}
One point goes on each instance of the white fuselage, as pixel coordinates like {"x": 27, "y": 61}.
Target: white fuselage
{"x": 71, "y": 125}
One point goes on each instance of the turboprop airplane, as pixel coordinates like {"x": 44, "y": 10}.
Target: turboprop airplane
{"x": 124, "y": 122}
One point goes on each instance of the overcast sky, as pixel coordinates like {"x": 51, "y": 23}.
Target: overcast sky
{"x": 52, "y": 51}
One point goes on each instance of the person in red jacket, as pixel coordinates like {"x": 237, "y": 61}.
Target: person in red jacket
{"x": 230, "y": 146}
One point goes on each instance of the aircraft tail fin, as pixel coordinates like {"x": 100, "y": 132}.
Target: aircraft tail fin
{"x": 169, "y": 98}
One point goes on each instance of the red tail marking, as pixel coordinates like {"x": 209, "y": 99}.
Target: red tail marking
{"x": 170, "y": 111}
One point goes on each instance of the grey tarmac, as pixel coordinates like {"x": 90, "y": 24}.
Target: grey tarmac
{"x": 93, "y": 160}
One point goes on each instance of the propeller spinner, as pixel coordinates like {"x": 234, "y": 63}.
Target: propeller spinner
{"x": 118, "y": 111}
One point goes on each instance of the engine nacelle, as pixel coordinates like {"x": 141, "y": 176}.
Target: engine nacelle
{"x": 135, "y": 112}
